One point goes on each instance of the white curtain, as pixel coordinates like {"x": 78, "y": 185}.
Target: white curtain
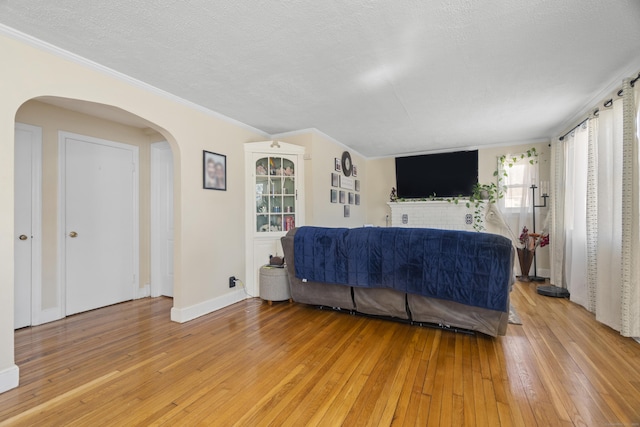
{"x": 630, "y": 298}
{"x": 575, "y": 213}
{"x": 606, "y": 294}
{"x": 595, "y": 208}
{"x": 556, "y": 207}
{"x": 592, "y": 216}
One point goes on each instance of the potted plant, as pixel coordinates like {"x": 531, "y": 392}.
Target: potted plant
{"x": 484, "y": 192}
{"x": 481, "y": 194}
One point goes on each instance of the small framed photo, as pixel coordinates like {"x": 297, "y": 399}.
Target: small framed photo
{"x": 351, "y": 199}
{"x": 335, "y": 180}
{"x": 357, "y": 199}
{"x": 354, "y": 172}
{"x": 347, "y": 211}
{"x": 357, "y": 185}
{"x": 214, "y": 171}
{"x": 334, "y": 196}
{"x": 342, "y": 197}
{"x": 338, "y": 164}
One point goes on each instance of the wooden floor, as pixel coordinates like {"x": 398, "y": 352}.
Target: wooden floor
{"x": 253, "y": 364}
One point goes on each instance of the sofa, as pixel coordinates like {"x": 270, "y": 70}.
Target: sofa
{"x": 456, "y": 280}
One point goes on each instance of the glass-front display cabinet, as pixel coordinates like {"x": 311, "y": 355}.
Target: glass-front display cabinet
{"x": 276, "y": 193}
{"x": 274, "y": 199}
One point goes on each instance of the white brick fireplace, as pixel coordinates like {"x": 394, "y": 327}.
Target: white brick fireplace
{"x": 432, "y": 214}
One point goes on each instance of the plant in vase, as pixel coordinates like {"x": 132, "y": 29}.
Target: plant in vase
{"x": 529, "y": 242}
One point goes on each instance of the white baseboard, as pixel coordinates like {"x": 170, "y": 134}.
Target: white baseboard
{"x": 9, "y": 378}
{"x": 154, "y": 291}
{"x": 182, "y": 315}
{"x": 143, "y": 292}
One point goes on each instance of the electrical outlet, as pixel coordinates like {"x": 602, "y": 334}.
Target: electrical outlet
{"x": 232, "y": 281}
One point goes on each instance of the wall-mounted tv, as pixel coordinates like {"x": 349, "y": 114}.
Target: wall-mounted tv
{"x": 443, "y": 174}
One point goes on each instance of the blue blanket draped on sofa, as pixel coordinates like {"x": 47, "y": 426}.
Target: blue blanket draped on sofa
{"x": 466, "y": 267}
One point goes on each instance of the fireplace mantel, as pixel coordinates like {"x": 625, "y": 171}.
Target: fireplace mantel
{"x": 432, "y": 214}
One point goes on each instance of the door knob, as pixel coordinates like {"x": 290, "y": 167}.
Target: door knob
{"x": 23, "y": 237}
{"x": 73, "y": 234}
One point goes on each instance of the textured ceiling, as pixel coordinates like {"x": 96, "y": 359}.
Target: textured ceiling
{"x": 382, "y": 77}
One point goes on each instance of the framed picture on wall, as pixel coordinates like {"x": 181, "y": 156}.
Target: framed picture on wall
{"x": 354, "y": 172}
{"x": 357, "y": 199}
{"x": 342, "y": 197}
{"x": 334, "y": 196}
{"x": 338, "y": 164}
{"x": 357, "y": 185}
{"x": 214, "y": 171}
{"x": 347, "y": 211}
{"x": 351, "y": 199}
{"x": 335, "y": 180}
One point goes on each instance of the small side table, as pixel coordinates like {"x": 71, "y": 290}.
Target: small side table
{"x": 274, "y": 284}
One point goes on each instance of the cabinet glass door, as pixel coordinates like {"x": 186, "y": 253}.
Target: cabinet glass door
{"x": 276, "y": 194}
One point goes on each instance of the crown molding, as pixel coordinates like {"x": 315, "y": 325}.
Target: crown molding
{"x": 87, "y": 63}
{"x": 318, "y": 132}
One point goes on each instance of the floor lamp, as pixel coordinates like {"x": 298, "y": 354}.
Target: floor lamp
{"x": 547, "y": 290}
{"x": 533, "y": 187}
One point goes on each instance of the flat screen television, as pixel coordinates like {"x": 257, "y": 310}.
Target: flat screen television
{"x": 443, "y": 174}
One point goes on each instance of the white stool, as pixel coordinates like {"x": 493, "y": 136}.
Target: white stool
{"x": 274, "y": 284}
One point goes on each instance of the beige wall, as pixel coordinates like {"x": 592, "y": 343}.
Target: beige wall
{"x": 380, "y": 180}
{"x": 209, "y": 225}
{"x": 320, "y": 153}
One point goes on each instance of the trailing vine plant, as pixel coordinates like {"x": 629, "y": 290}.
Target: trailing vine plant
{"x": 531, "y": 154}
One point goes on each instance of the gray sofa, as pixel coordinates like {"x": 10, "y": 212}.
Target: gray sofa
{"x": 391, "y": 303}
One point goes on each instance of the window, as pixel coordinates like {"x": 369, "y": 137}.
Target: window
{"x": 517, "y": 182}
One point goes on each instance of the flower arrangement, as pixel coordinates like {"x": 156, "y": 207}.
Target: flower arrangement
{"x": 531, "y": 241}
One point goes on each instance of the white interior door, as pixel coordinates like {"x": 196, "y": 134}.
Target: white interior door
{"x": 161, "y": 219}
{"x": 27, "y": 156}
{"x": 100, "y": 221}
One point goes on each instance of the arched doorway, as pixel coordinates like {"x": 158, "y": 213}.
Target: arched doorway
{"x": 94, "y": 120}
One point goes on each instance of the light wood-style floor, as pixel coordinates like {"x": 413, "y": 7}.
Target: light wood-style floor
{"x": 253, "y": 364}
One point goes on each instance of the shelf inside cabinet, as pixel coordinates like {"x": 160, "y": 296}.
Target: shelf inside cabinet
{"x": 275, "y": 194}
